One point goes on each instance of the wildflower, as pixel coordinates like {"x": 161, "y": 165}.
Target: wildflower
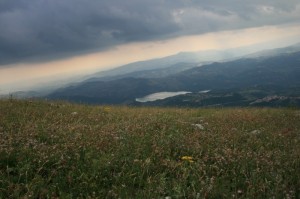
{"x": 106, "y": 109}
{"x": 187, "y": 158}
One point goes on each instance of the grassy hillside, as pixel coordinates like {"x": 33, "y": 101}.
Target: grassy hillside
{"x": 56, "y": 149}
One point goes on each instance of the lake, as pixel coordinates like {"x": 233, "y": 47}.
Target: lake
{"x": 160, "y": 95}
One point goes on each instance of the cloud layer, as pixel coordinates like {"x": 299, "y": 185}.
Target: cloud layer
{"x": 45, "y": 29}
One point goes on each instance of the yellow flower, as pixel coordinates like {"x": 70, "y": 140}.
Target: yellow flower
{"x": 107, "y": 109}
{"x": 187, "y": 158}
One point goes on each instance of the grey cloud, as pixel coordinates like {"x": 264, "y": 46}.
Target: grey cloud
{"x": 38, "y": 29}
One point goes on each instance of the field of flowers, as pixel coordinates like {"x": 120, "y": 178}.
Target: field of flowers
{"x": 63, "y": 150}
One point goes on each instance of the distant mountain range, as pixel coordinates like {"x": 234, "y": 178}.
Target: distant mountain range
{"x": 249, "y": 79}
{"x": 168, "y": 63}
{"x": 162, "y": 67}
{"x": 275, "y": 52}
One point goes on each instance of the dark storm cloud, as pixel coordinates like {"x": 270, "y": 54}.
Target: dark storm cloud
{"x": 32, "y": 29}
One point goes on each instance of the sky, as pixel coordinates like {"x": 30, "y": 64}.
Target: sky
{"x": 46, "y": 41}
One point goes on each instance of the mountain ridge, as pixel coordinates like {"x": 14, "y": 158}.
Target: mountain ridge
{"x": 197, "y": 58}
{"x": 281, "y": 71}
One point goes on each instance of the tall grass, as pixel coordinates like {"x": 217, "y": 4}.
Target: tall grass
{"x": 62, "y": 150}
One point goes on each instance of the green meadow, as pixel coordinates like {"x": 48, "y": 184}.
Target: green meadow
{"x": 63, "y": 150}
